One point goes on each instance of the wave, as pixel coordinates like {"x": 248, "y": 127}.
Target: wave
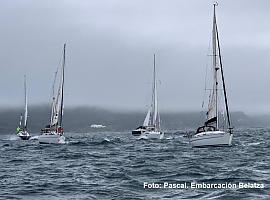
{"x": 13, "y": 137}
{"x": 116, "y": 164}
{"x": 34, "y": 137}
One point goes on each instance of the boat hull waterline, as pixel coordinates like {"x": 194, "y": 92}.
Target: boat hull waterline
{"x": 51, "y": 139}
{"x": 211, "y": 138}
{"x": 24, "y": 135}
{"x": 148, "y": 134}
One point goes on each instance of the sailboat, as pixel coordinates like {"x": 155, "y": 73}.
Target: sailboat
{"x": 211, "y": 134}
{"x": 22, "y": 128}
{"x": 151, "y": 125}
{"x": 54, "y": 132}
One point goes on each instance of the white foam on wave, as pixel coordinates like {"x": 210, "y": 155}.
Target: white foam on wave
{"x": 13, "y": 137}
{"x": 62, "y": 140}
{"x": 143, "y": 137}
{"x": 34, "y": 137}
{"x": 254, "y": 144}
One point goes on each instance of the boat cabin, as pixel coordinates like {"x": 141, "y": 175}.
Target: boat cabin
{"x": 205, "y": 129}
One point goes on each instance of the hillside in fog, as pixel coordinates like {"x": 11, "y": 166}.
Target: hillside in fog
{"x": 79, "y": 119}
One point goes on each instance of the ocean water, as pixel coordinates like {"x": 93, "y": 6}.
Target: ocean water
{"x": 116, "y": 166}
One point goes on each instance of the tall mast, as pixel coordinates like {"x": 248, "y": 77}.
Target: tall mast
{"x": 223, "y": 83}
{"x": 216, "y": 68}
{"x": 154, "y": 95}
{"x": 21, "y": 120}
{"x": 25, "y": 104}
{"x": 62, "y": 87}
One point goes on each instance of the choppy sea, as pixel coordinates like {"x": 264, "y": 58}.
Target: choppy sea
{"x": 114, "y": 165}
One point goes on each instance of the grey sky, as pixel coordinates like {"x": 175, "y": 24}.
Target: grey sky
{"x": 110, "y": 46}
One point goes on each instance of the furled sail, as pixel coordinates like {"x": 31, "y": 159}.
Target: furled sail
{"x": 154, "y": 105}
{"x": 155, "y": 109}
{"x": 21, "y": 117}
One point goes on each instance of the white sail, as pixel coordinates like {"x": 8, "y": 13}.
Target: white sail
{"x": 57, "y": 107}
{"x": 154, "y": 104}
{"x": 54, "y": 117}
{"x": 57, "y": 104}
{"x": 146, "y": 120}
{"x": 53, "y": 121}
{"x": 212, "y": 114}
{"x": 25, "y": 104}
{"x": 53, "y": 110}
{"x": 158, "y": 121}
{"x": 61, "y": 110}
{"x": 21, "y": 117}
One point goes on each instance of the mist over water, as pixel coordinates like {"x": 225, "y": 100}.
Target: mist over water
{"x": 79, "y": 119}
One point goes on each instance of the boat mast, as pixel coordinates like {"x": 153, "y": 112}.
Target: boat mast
{"x": 25, "y": 104}
{"x": 154, "y": 119}
{"x": 62, "y": 87}
{"x": 223, "y": 82}
{"x": 216, "y": 68}
{"x": 20, "y": 123}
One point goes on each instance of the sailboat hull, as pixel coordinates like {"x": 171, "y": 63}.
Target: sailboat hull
{"x": 211, "y": 138}
{"x": 24, "y": 135}
{"x": 51, "y": 139}
{"x": 151, "y": 135}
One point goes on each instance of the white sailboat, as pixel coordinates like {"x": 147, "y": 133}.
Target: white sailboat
{"x": 22, "y": 128}
{"x": 210, "y": 134}
{"x": 54, "y": 132}
{"x": 151, "y": 125}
